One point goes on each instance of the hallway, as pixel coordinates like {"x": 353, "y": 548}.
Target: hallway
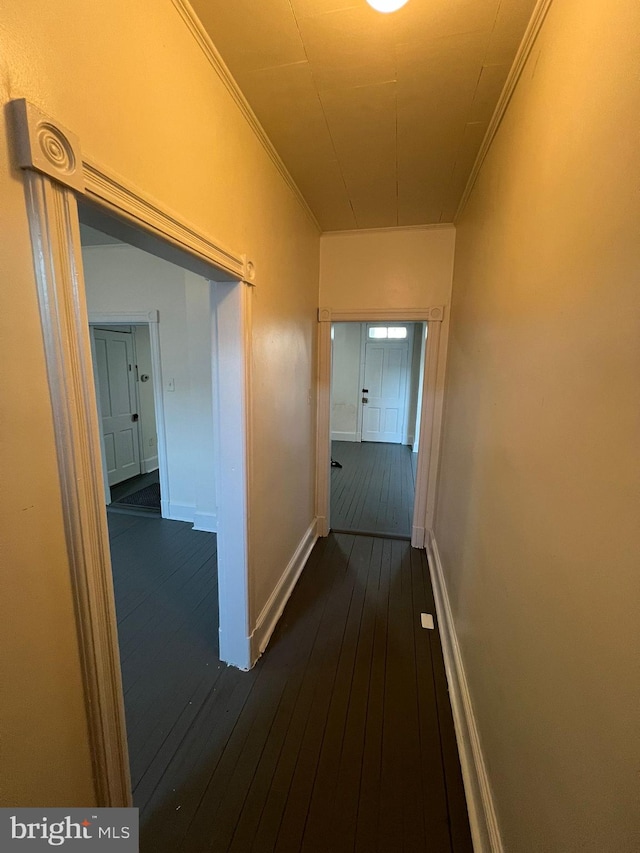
{"x": 341, "y": 737}
{"x": 373, "y": 492}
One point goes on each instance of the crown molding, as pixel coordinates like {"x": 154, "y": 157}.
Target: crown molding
{"x": 435, "y": 226}
{"x": 524, "y": 51}
{"x": 188, "y": 15}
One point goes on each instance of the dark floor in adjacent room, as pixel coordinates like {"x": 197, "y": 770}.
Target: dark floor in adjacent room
{"x": 373, "y": 491}
{"x": 340, "y": 738}
{"x": 122, "y": 491}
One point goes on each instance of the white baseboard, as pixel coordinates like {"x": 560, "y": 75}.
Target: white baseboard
{"x": 344, "y": 436}
{"x": 482, "y": 815}
{"x": 150, "y": 464}
{"x": 418, "y": 537}
{"x": 179, "y": 512}
{"x": 207, "y": 521}
{"x": 272, "y": 611}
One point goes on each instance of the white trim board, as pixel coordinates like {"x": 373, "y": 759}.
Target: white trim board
{"x": 178, "y": 512}
{"x": 150, "y": 464}
{"x": 55, "y": 238}
{"x": 272, "y": 611}
{"x": 206, "y": 521}
{"x": 337, "y": 435}
{"x": 382, "y": 315}
{"x": 485, "y": 831}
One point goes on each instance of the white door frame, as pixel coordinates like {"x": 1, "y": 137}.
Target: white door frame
{"x": 54, "y": 172}
{"x": 430, "y": 422}
{"x": 151, "y": 319}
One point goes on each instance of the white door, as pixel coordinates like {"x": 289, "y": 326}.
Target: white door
{"x": 115, "y": 377}
{"x": 385, "y": 390}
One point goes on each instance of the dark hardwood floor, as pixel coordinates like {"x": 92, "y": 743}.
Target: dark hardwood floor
{"x": 165, "y": 581}
{"x": 339, "y": 739}
{"x": 373, "y": 492}
{"x": 128, "y": 487}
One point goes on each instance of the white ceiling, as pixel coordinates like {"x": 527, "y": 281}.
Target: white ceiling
{"x": 377, "y": 117}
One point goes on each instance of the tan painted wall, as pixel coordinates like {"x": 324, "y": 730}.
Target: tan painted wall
{"x": 539, "y": 498}
{"x": 129, "y": 79}
{"x": 394, "y": 268}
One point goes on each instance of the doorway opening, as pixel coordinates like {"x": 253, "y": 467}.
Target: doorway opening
{"x": 124, "y": 379}
{"x": 58, "y": 191}
{"x": 430, "y": 404}
{"x": 154, "y": 383}
{"x": 376, "y": 386}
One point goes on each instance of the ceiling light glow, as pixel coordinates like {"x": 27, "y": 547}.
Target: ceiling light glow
{"x": 386, "y": 5}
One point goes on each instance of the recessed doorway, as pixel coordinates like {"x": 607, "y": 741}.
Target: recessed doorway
{"x": 428, "y": 407}
{"x": 163, "y": 554}
{"x": 377, "y": 370}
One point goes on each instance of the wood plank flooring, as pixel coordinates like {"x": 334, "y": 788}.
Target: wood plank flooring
{"x": 339, "y": 739}
{"x": 373, "y": 492}
{"x": 128, "y": 487}
{"x": 165, "y": 581}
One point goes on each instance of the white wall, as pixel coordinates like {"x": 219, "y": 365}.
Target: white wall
{"x": 198, "y": 318}
{"x": 415, "y": 385}
{"x": 539, "y": 498}
{"x": 345, "y": 381}
{"x": 146, "y": 401}
{"x": 122, "y": 278}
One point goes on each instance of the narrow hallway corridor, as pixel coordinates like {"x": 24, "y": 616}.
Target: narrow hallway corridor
{"x": 340, "y": 739}
{"x": 374, "y": 489}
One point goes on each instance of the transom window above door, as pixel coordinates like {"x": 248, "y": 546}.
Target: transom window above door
{"x": 395, "y": 333}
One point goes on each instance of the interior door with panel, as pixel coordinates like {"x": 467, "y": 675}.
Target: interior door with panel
{"x": 384, "y": 393}
{"x": 116, "y": 388}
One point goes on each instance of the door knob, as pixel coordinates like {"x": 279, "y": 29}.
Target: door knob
{"x": 365, "y": 399}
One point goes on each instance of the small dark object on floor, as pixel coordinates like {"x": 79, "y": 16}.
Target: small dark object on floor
{"x": 147, "y": 498}
{"x": 335, "y": 464}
